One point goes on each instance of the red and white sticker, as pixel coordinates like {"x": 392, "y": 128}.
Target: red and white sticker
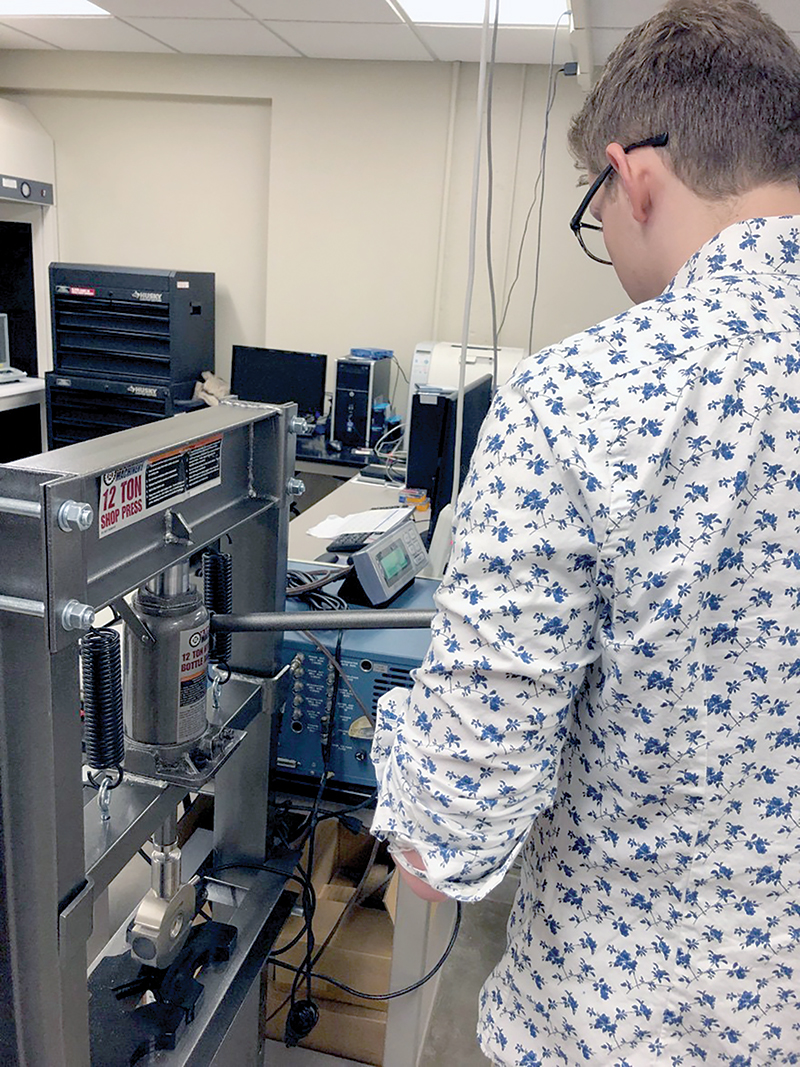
{"x": 129, "y": 494}
{"x": 121, "y": 498}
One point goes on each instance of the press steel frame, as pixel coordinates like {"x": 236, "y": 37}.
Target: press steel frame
{"x": 57, "y": 856}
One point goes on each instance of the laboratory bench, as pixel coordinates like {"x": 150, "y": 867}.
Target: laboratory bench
{"x": 24, "y": 419}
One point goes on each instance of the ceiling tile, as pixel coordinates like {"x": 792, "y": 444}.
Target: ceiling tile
{"x": 85, "y": 33}
{"x": 611, "y": 20}
{"x": 339, "y": 40}
{"x": 14, "y": 39}
{"x": 178, "y": 9}
{"x": 217, "y": 37}
{"x": 321, "y": 10}
{"x": 522, "y": 44}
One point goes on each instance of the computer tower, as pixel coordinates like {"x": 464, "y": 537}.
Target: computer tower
{"x": 432, "y": 439}
{"x": 360, "y": 384}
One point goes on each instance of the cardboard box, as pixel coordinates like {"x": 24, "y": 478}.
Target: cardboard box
{"x": 359, "y": 954}
{"x": 336, "y": 850}
{"x": 344, "y": 1030}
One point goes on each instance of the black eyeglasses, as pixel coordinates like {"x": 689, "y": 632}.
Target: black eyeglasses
{"x": 577, "y": 225}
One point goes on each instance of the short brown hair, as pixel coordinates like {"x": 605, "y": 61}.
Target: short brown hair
{"x": 720, "y": 77}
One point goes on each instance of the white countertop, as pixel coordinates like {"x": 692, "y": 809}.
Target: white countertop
{"x": 352, "y": 496}
{"x": 19, "y": 394}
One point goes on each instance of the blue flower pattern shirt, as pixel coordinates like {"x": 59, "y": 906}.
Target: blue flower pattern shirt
{"x": 612, "y": 682}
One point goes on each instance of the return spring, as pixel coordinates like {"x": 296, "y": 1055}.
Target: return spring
{"x": 218, "y": 598}
{"x": 102, "y": 701}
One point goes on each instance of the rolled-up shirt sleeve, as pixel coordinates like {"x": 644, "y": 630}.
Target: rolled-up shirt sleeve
{"x": 469, "y": 756}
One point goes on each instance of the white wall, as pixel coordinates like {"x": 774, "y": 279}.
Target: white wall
{"x": 322, "y": 193}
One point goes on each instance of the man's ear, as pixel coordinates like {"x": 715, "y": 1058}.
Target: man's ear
{"x": 634, "y": 174}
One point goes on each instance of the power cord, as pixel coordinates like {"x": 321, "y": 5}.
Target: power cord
{"x": 301, "y": 583}
{"x": 397, "y": 992}
{"x": 551, "y": 96}
{"x": 303, "y": 1015}
{"x": 552, "y": 86}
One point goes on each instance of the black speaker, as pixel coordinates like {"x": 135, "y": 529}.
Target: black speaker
{"x": 360, "y": 384}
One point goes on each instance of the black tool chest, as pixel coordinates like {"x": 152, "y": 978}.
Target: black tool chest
{"x": 80, "y": 407}
{"x": 128, "y": 346}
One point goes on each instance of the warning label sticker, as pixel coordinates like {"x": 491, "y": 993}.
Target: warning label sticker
{"x": 129, "y": 494}
{"x": 192, "y": 682}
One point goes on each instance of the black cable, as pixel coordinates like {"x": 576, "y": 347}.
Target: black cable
{"x": 303, "y": 1015}
{"x": 144, "y": 856}
{"x": 397, "y": 363}
{"x": 551, "y": 96}
{"x": 551, "y": 100}
{"x": 309, "y": 592}
{"x": 298, "y": 1018}
{"x": 302, "y": 877}
{"x": 366, "y": 803}
{"x": 397, "y": 992}
{"x": 318, "y": 583}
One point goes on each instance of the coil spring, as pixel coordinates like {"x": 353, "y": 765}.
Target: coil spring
{"x": 102, "y": 699}
{"x": 218, "y": 597}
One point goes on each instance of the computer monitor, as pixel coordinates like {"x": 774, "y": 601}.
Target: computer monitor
{"x": 8, "y": 373}
{"x": 275, "y": 376}
{"x": 5, "y": 353}
{"x": 432, "y": 439}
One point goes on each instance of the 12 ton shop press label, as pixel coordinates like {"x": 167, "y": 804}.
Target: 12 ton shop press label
{"x": 131, "y": 493}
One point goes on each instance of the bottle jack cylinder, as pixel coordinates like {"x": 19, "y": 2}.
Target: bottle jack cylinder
{"x": 165, "y": 680}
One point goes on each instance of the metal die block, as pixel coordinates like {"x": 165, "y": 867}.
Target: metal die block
{"x": 161, "y": 926}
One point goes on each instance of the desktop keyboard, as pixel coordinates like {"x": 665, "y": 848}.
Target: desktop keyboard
{"x": 349, "y": 542}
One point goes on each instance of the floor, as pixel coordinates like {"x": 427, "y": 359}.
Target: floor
{"x": 451, "y": 1034}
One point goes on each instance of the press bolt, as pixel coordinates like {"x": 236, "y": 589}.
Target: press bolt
{"x": 73, "y": 515}
{"x": 77, "y": 616}
{"x": 295, "y": 487}
{"x": 298, "y": 425}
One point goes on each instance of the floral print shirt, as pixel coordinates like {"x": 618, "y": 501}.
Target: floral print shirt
{"x": 612, "y": 686}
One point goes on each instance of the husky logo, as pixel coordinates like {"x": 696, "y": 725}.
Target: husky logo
{"x": 152, "y": 298}
{"x": 142, "y": 390}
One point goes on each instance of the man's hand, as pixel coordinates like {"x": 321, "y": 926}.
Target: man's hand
{"x": 422, "y": 889}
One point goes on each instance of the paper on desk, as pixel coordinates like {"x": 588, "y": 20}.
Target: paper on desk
{"x": 378, "y": 520}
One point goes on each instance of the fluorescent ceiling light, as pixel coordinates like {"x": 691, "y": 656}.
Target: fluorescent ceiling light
{"x": 50, "y": 7}
{"x": 471, "y": 12}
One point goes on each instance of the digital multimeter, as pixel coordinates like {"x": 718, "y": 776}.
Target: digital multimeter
{"x": 386, "y": 566}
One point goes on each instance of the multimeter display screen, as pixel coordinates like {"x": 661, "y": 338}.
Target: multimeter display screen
{"x": 393, "y": 562}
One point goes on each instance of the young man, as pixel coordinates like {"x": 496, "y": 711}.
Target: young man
{"x": 612, "y": 684}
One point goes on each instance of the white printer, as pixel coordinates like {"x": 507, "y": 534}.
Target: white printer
{"x": 436, "y": 364}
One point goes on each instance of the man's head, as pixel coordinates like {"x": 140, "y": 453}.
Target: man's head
{"x": 722, "y": 79}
